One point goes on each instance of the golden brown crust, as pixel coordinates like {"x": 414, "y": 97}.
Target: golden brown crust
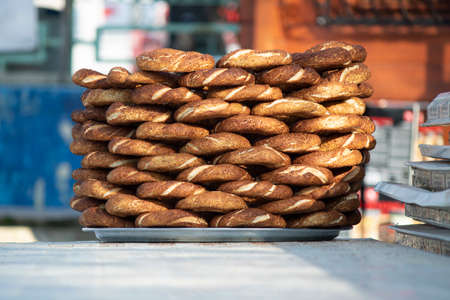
{"x": 104, "y": 97}
{"x": 117, "y": 77}
{"x": 252, "y": 125}
{"x": 95, "y": 113}
{"x": 260, "y": 190}
{"x": 96, "y": 131}
{"x": 90, "y": 79}
{"x": 353, "y": 217}
{"x": 254, "y": 59}
{"x": 326, "y": 59}
{"x": 217, "y": 77}
{"x": 319, "y": 219}
{"x": 252, "y": 92}
{"x": 357, "y": 52}
{"x": 170, "y": 218}
{"x": 292, "y": 142}
{"x": 289, "y": 76}
{"x": 365, "y": 90}
{"x": 98, "y": 217}
{"x": 172, "y": 60}
{"x": 349, "y": 174}
{"x": 354, "y": 73}
{"x": 355, "y": 187}
{"x": 365, "y": 156}
{"x": 301, "y": 175}
{"x": 124, "y": 114}
{"x": 248, "y": 217}
{"x": 325, "y": 191}
{"x": 78, "y": 116}
{"x": 257, "y": 155}
{"x": 195, "y": 112}
{"x": 336, "y": 124}
{"x": 163, "y": 95}
{"x": 77, "y": 131}
{"x": 345, "y": 203}
{"x": 169, "y": 132}
{"x": 215, "y": 143}
{"x": 354, "y": 140}
{"x": 123, "y": 205}
{"x": 168, "y": 190}
{"x": 80, "y": 146}
{"x": 97, "y": 189}
{"x": 120, "y": 78}
{"x": 293, "y": 205}
{"x": 207, "y": 109}
{"x": 213, "y": 173}
{"x": 77, "y": 188}
{"x": 145, "y": 77}
{"x": 333, "y": 91}
{"x": 132, "y": 176}
{"x": 354, "y": 106}
{"x": 134, "y": 147}
{"x": 290, "y": 107}
{"x": 84, "y": 174}
{"x": 106, "y": 160}
{"x": 172, "y": 162}
{"x": 212, "y": 202}
{"x": 337, "y": 158}
{"x": 82, "y": 203}
{"x": 215, "y": 221}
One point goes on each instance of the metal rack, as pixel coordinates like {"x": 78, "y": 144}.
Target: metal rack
{"x": 385, "y": 12}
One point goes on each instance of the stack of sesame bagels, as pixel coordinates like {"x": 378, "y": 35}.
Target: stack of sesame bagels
{"x": 256, "y": 139}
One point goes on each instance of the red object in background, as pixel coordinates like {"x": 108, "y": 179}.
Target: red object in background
{"x": 370, "y": 196}
{"x": 372, "y": 201}
{"x": 408, "y": 116}
{"x": 387, "y": 207}
{"x": 109, "y": 11}
{"x": 382, "y": 121}
{"x": 229, "y": 13}
{"x": 434, "y": 129}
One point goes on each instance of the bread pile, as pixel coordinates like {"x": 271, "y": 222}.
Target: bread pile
{"x": 259, "y": 139}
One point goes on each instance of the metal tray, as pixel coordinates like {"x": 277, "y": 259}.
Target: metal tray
{"x": 147, "y": 235}
{"x": 424, "y": 230}
{"x": 435, "y": 151}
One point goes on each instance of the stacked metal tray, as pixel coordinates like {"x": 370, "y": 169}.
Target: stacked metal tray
{"x": 431, "y": 175}
{"x": 442, "y": 152}
{"x": 438, "y": 111}
{"x": 423, "y": 236}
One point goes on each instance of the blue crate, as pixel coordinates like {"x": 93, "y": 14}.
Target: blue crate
{"x": 35, "y": 134}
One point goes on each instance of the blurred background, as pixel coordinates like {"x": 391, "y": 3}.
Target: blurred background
{"x": 42, "y": 42}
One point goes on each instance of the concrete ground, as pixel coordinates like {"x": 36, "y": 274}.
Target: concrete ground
{"x": 339, "y": 269}
{"x": 43, "y": 233}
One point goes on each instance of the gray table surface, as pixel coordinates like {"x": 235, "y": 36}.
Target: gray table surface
{"x": 340, "y": 269}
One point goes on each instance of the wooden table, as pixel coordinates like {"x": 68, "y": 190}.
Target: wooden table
{"x": 340, "y": 269}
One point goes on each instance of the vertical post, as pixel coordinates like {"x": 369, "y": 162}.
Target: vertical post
{"x": 65, "y": 69}
{"x": 414, "y": 136}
